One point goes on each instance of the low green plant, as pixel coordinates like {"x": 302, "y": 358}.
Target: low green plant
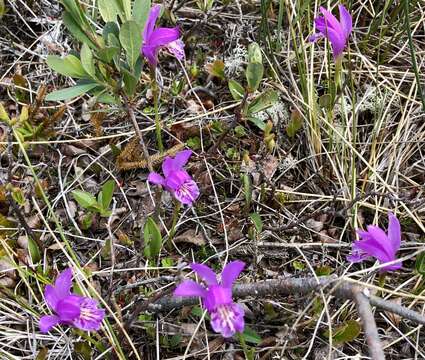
{"x": 94, "y": 205}
{"x": 108, "y": 65}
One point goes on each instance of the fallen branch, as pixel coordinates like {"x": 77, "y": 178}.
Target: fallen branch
{"x": 304, "y": 286}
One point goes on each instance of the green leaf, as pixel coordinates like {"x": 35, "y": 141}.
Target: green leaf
{"x": 236, "y": 90}
{"x": 295, "y": 123}
{"x": 75, "y": 11}
{"x": 247, "y": 186}
{"x": 18, "y": 196}
{"x": 83, "y": 349}
{"x": 152, "y": 238}
{"x": 34, "y": 251}
{"x": 42, "y": 354}
{"x": 108, "y": 10}
{"x": 71, "y": 92}
{"x": 2, "y": 8}
{"x": 251, "y": 336}
{"x": 256, "y": 220}
{"x": 108, "y": 53}
{"x": 254, "y": 53}
{"x": 126, "y": 5}
{"x": 263, "y": 102}
{"x": 216, "y": 69}
{"x": 130, "y": 82}
{"x": 87, "y": 61}
{"x": 298, "y": 265}
{"x": 68, "y": 66}
{"x": 106, "y": 194}
{"x": 324, "y": 270}
{"x": 420, "y": 263}
{"x": 131, "y": 41}
{"x": 76, "y": 30}
{"x": 87, "y": 221}
{"x": 110, "y": 28}
{"x": 325, "y": 101}
{"x": 106, "y": 98}
{"x": 141, "y": 11}
{"x": 113, "y": 41}
{"x": 84, "y": 199}
{"x": 346, "y": 332}
{"x": 254, "y": 74}
{"x": 257, "y": 122}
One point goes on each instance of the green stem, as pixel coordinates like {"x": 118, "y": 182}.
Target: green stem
{"x": 175, "y": 218}
{"x": 248, "y": 354}
{"x": 156, "y": 99}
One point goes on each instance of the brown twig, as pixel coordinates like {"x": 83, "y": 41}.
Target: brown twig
{"x": 301, "y": 286}
{"x": 139, "y": 134}
{"x": 369, "y": 325}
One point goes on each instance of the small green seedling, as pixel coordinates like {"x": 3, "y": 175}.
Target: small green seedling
{"x": 99, "y": 205}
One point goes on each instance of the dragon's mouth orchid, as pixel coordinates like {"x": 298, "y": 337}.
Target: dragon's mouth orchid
{"x": 227, "y": 317}
{"x": 155, "y": 39}
{"x": 176, "y": 180}
{"x": 71, "y": 309}
{"x": 376, "y": 243}
{"x": 337, "y": 32}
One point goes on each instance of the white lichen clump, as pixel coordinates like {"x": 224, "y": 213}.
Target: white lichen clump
{"x": 276, "y": 113}
{"x": 234, "y": 64}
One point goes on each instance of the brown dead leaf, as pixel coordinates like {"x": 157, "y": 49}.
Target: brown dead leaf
{"x": 395, "y": 319}
{"x": 184, "y": 131}
{"x": 269, "y": 165}
{"x": 314, "y": 225}
{"x": 191, "y": 237}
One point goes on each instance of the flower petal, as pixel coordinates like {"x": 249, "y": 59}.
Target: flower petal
{"x": 313, "y": 38}
{"x": 330, "y": 20}
{"x": 357, "y": 255}
{"x": 150, "y": 23}
{"x": 394, "y": 232}
{"x": 90, "y": 317}
{"x": 228, "y": 319}
{"x": 332, "y": 29}
{"x": 155, "y": 178}
{"x": 68, "y": 308}
{"x": 177, "y": 49}
{"x": 175, "y": 179}
{"x": 181, "y": 159}
{"x": 51, "y": 297}
{"x": 381, "y": 240}
{"x": 374, "y": 249}
{"x": 189, "y": 288}
{"x": 47, "y": 322}
{"x": 346, "y": 21}
{"x": 187, "y": 193}
{"x": 175, "y": 164}
{"x": 163, "y": 36}
{"x": 205, "y": 272}
{"x": 151, "y": 53}
{"x": 167, "y": 166}
{"x": 230, "y": 273}
{"x": 63, "y": 283}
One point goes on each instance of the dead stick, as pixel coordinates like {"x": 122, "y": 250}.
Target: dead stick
{"x": 369, "y": 325}
{"x": 292, "y": 286}
{"x": 139, "y": 134}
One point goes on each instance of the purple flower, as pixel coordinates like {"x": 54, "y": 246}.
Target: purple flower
{"x": 71, "y": 309}
{"x": 177, "y": 181}
{"x": 337, "y": 32}
{"x": 227, "y": 317}
{"x": 375, "y": 243}
{"x": 156, "y": 38}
